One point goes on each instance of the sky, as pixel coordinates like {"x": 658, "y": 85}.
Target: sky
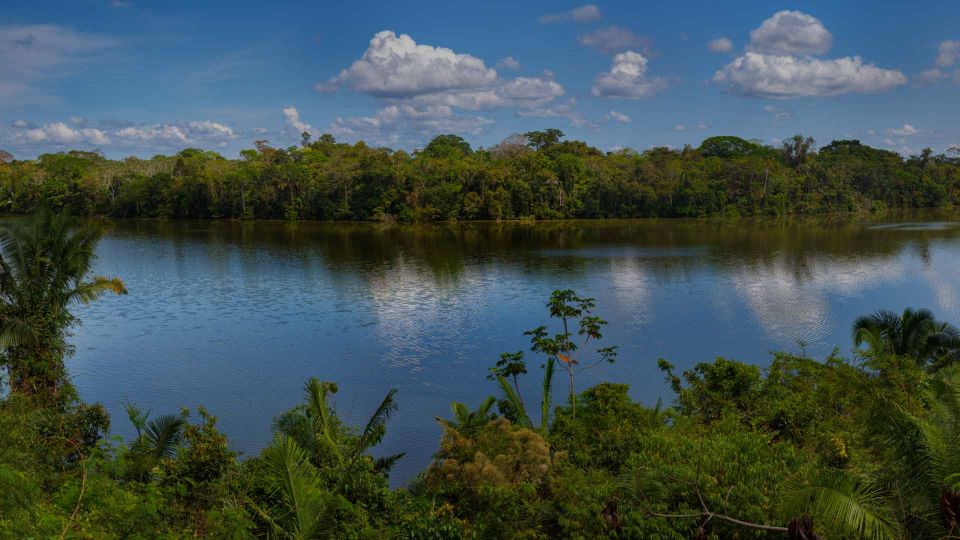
{"x": 132, "y": 77}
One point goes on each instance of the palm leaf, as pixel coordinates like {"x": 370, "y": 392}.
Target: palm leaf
{"x": 376, "y": 427}
{"x": 513, "y": 399}
{"x": 384, "y": 464}
{"x": 300, "y": 489}
{"x": 163, "y": 434}
{"x": 852, "y": 508}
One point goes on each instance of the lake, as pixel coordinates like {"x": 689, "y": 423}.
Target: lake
{"x": 235, "y": 316}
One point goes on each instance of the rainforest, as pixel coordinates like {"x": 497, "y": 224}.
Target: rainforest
{"x": 535, "y": 175}
{"x": 810, "y": 445}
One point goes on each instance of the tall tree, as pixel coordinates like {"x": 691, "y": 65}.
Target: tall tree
{"x": 45, "y": 267}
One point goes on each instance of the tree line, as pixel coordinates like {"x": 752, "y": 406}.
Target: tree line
{"x": 536, "y": 175}
{"x": 855, "y": 448}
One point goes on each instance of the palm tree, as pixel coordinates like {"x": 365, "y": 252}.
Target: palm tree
{"x": 465, "y": 420}
{"x": 316, "y": 429}
{"x": 156, "y": 439}
{"x": 926, "y": 461}
{"x": 303, "y": 511}
{"x": 45, "y": 265}
{"x": 915, "y": 333}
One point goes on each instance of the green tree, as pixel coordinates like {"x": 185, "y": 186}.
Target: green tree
{"x": 45, "y": 265}
{"x": 914, "y": 333}
{"x": 540, "y": 140}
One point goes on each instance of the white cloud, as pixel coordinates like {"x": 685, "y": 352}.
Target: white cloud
{"x": 520, "y": 92}
{"x": 58, "y": 133}
{"x": 930, "y": 76}
{"x": 211, "y": 131}
{"x": 508, "y": 62}
{"x": 399, "y": 70}
{"x": 157, "y": 132}
{"x": 702, "y": 125}
{"x": 529, "y": 91}
{"x": 791, "y": 32}
{"x": 614, "y": 39}
{"x": 29, "y": 53}
{"x": 203, "y": 133}
{"x": 292, "y": 115}
{"x": 871, "y": 132}
{"x": 396, "y": 66}
{"x": 627, "y": 78}
{"x": 770, "y": 76}
{"x": 948, "y": 53}
{"x": 779, "y": 63}
{"x": 582, "y": 14}
{"x": 614, "y": 116}
{"x": 565, "y": 110}
{"x": 421, "y": 86}
{"x": 429, "y": 121}
{"x": 720, "y": 45}
{"x": 777, "y": 113}
{"x": 906, "y": 131}
{"x": 679, "y": 127}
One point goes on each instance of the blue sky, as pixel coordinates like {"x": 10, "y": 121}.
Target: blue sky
{"x": 133, "y": 77}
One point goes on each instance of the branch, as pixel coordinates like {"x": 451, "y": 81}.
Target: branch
{"x": 710, "y": 515}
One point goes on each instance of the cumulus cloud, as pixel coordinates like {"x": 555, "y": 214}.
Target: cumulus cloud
{"x": 508, "y": 62}
{"x": 29, "y": 53}
{"x": 930, "y": 76}
{"x": 679, "y": 127}
{"x": 777, "y": 113}
{"x": 906, "y": 131}
{"x": 292, "y": 116}
{"x": 396, "y": 66}
{"x": 614, "y": 39}
{"x": 791, "y": 32}
{"x": 60, "y": 133}
{"x": 720, "y": 45}
{"x": 948, "y": 53}
{"x": 627, "y": 78}
{"x": 774, "y": 76}
{"x": 614, "y": 116}
{"x": 386, "y": 122}
{"x": 582, "y": 14}
{"x": 566, "y": 110}
{"x": 780, "y": 63}
{"x": 421, "y": 87}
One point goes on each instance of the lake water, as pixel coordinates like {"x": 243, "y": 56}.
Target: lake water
{"x": 235, "y": 316}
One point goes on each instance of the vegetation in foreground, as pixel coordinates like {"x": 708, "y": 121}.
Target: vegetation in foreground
{"x": 834, "y": 448}
{"x": 531, "y": 176}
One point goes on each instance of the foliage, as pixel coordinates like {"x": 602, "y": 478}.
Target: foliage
{"x": 45, "y": 262}
{"x": 534, "y": 175}
{"x": 802, "y": 448}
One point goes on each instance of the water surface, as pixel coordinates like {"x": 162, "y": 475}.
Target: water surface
{"x": 235, "y": 316}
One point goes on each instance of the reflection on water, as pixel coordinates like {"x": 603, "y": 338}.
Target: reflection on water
{"x": 236, "y": 315}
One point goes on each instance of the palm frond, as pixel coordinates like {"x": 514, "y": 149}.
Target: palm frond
{"x": 513, "y": 399}
{"x": 853, "y": 508}
{"x": 163, "y": 434}
{"x": 376, "y": 427}
{"x": 384, "y": 464}
{"x": 300, "y": 488}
